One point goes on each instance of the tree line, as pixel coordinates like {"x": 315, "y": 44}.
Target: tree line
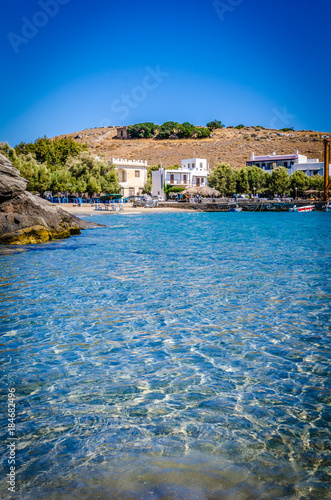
{"x": 60, "y": 165}
{"x": 253, "y": 180}
{"x": 168, "y": 130}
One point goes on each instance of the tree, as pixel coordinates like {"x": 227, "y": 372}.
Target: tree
{"x": 93, "y": 175}
{"x": 215, "y": 124}
{"x": 142, "y": 130}
{"x": 242, "y": 181}
{"x": 224, "y": 179}
{"x": 256, "y": 179}
{"x": 37, "y": 174}
{"x": 54, "y": 152}
{"x": 316, "y": 182}
{"x": 40, "y": 181}
{"x": 299, "y": 182}
{"x": 186, "y": 130}
{"x": 110, "y": 182}
{"x": 280, "y": 181}
{"x": 167, "y": 129}
{"x": 169, "y": 188}
{"x": 202, "y": 132}
{"x": 61, "y": 181}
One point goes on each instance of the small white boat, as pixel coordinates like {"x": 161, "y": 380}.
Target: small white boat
{"x": 307, "y": 208}
{"x": 236, "y": 209}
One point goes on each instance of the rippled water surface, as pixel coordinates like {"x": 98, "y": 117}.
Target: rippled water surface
{"x": 171, "y": 356}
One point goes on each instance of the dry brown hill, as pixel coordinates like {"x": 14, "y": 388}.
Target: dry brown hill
{"x": 226, "y": 145}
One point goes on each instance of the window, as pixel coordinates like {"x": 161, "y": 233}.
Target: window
{"x": 172, "y": 178}
{"x": 285, "y": 164}
{"x": 137, "y": 173}
{"x": 123, "y": 176}
{"x": 193, "y": 165}
{"x": 201, "y": 166}
{"x": 189, "y": 165}
{"x": 184, "y": 178}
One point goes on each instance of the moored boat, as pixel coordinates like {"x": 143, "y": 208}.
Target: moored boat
{"x": 235, "y": 209}
{"x": 306, "y": 208}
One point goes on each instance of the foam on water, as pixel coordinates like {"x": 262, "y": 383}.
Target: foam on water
{"x": 178, "y": 356}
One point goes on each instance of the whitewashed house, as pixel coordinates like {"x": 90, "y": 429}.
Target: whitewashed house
{"x": 132, "y": 175}
{"x": 292, "y": 162}
{"x": 192, "y": 172}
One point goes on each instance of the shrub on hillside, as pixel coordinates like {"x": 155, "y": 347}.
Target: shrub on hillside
{"x": 142, "y": 130}
{"x": 215, "y": 124}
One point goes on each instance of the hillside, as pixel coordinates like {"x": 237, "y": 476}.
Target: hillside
{"x": 226, "y": 145}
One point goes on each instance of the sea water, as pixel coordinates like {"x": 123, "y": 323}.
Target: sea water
{"x": 171, "y": 356}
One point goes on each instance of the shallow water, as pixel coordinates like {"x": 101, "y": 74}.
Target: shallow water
{"x": 171, "y": 356}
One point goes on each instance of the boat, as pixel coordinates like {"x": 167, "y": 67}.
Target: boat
{"x": 235, "y": 209}
{"x": 306, "y": 208}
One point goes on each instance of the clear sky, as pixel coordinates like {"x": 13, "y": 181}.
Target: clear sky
{"x": 74, "y": 64}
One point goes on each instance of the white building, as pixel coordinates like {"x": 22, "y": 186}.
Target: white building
{"x": 291, "y": 162}
{"x": 192, "y": 172}
{"x": 132, "y": 175}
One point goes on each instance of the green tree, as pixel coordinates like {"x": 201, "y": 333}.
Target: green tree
{"x": 242, "y": 181}
{"x": 143, "y": 130}
{"x": 167, "y": 129}
{"x": 316, "y": 182}
{"x": 202, "y": 132}
{"x": 37, "y": 174}
{"x": 41, "y": 179}
{"x": 256, "y": 179}
{"x": 61, "y": 181}
{"x": 299, "y": 182}
{"x": 186, "y": 130}
{"x": 54, "y": 152}
{"x": 110, "y": 182}
{"x": 280, "y": 181}
{"x": 224, "y": 179}
{"x": 215, "y": 124}
{"x": 93, "y": 175}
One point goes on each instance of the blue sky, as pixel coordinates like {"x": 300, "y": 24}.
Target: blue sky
{"x": 74, "y": 64}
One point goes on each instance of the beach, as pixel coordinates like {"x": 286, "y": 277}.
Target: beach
{"x": 87, "y": 209}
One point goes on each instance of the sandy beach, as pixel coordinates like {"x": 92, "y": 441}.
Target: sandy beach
{"x": 127, "y": 209}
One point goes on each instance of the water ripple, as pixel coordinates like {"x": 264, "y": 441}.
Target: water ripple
{"x": 176, "y": 356}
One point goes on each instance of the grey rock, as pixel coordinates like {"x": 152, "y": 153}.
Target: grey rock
{"x": 26, "y": 218}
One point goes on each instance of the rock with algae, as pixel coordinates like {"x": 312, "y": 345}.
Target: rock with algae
{"x": 28, "y": 219}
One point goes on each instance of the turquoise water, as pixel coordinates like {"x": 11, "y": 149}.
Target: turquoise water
{"x": 171, "y": 356}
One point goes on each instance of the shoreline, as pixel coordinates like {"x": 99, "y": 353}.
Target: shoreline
{"x": 127, "y": 210}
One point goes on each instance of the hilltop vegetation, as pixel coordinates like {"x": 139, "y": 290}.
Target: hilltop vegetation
{"x": 168, "y": 130}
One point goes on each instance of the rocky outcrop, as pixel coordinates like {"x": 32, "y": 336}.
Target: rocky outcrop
{"x": 26, "y": 218}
